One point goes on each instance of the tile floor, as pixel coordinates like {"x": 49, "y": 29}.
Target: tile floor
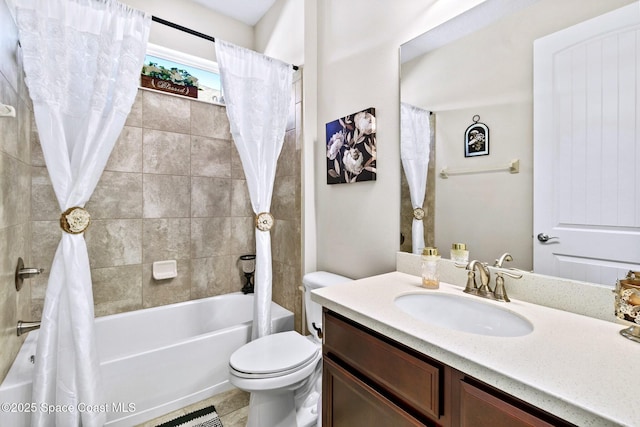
{"x": 232, "y": 408}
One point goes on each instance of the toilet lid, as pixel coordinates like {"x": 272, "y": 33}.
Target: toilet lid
{"x": 274, "y": 353}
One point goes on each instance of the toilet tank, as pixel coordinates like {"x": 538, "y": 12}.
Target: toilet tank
{"x": 316, "y": 280}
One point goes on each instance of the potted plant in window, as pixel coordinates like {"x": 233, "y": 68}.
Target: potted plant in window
{"x": 173, "y": 80}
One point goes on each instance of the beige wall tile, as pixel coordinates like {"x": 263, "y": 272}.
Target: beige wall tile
{"x": 211, "y": 276}
{"x": 243, "y": 235}
{"x": 166, "y": 196}
{"x": 165, "y": 112}
{"x": 285, "y": 240}
{"x": 126, "y": 155}
{"x": 117, "y": 289}
{"x": 37, "y": 157}
{"x": 165, "y": 239}
{"x": 166, "y": 152}
{"x": 237, "y": 171}
{"x": 15, "y": 192}
{"x": 210, "y": 197}
{"x": 286, "y": 280}
{"x": 240, "y": 200}
{"x": 45, "y": 237}
{"x": 117, "y": 195}
{"x": 14, "y": 243}
{"x": 210, "y": 237}
{"x": 135, "y": 115}
{"x": 114, "y": 242}
{"x": 25, "y": 120}
{"x": 210, "y": 157}
{"x": 44, "y": 205}
{"x": 283, "y": 203}
{"x": 209, "y": 120}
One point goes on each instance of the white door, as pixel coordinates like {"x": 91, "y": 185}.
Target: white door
{"x": 587, "y": 149}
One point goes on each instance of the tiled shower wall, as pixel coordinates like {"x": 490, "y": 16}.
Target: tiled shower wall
{"x": 15, "y": 189}
{"x": 174, "y": 188}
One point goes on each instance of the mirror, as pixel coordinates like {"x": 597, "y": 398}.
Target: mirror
{"x": 481, "y": 64}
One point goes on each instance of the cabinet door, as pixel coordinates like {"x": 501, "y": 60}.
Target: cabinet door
{"x": 349, "y": 402}
{"x": 481, "y": 409}
{"x": 409, "y": 378}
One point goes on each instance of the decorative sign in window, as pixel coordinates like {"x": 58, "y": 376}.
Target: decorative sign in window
{"x": 181, "y": 74}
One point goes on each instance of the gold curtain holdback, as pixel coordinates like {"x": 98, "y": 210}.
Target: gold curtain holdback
{"x": 264, "y": 221}
{"x": 75, "y": 220}
{"x": 418, "y": 213}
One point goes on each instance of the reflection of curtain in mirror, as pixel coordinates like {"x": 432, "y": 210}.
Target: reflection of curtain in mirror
{"x": 415, "y": 143}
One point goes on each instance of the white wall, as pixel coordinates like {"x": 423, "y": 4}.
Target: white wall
{"x": 358, "y": 224}
{"x": 198, "y": 18}
{"x": 310, "y": 120}
{"x": 280, "y": 32}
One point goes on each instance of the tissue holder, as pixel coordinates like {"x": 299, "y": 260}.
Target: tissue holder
{"x": 165, "y": 269}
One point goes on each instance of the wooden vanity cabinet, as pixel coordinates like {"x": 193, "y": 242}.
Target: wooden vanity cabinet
{"x": 371, "y": 380}
{"x": 366, "y": 376}
{"x": 479, "y": 404}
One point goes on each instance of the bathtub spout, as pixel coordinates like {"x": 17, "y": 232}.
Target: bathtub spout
{"x": 24, "y": 326}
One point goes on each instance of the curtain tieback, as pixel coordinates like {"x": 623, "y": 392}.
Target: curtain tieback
{"x": 418, "y": 213}
{"x": 264, "y": 221}
{"x": 75, "y": 220}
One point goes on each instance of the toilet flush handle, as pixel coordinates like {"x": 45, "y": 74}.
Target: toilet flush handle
{"x": 317, "y": 329}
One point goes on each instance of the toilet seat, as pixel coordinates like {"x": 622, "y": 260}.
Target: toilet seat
{"x": 273, "y": 356}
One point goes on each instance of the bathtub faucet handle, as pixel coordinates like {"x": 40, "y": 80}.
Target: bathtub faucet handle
{"x": 25, "y": 273}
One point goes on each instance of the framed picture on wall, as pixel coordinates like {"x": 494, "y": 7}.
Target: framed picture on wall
{"x": 476, "y": 139}
{"x": 351, "y": 148}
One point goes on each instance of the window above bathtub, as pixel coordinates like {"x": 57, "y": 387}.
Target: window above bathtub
{"x": 181, "y": 74}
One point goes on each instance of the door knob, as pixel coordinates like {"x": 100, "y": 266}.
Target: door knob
{"x": 545, "y": 237}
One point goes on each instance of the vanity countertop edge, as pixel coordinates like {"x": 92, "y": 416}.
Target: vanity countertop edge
{"x": 573, "y": 366}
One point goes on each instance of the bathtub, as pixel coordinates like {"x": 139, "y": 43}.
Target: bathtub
{"x": 155, "y": 360}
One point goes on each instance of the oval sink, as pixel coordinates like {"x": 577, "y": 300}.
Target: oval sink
{"x": 464, "y": 314}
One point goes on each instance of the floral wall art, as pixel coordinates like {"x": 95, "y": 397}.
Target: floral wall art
{"x": 351, "y": 148}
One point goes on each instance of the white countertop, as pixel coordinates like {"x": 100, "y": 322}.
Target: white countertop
{"x": 576, "y": 367}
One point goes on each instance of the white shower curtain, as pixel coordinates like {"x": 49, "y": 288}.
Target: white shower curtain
{"x": 415, "y": 144}
{"x": 257, "y": 92}
{"x": 82, "y": 61}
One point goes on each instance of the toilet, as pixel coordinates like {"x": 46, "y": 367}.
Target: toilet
{"x": 283, "y": 371}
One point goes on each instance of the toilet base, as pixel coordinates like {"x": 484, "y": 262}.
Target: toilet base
{"x": 269, "y": 409}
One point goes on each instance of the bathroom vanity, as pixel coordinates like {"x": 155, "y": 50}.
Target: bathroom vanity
{"x": 383, "y": 366}
{"x": 372, "y": 380}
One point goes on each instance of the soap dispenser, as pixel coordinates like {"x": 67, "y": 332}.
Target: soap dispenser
{"x": 430, "y": 268}
{"x": 459, "y": 253}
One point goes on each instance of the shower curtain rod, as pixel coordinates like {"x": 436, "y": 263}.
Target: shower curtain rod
{"x": 189, "y": 30}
